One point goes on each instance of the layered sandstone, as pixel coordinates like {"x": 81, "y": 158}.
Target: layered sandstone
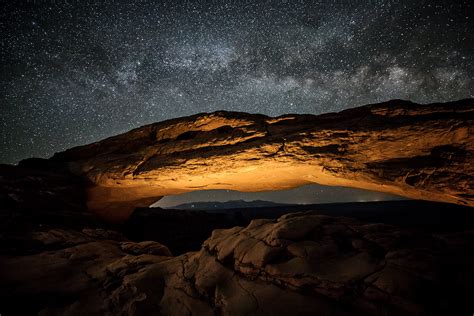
{"x": 414, "y": 150}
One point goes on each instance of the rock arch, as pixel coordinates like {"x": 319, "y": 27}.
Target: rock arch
{"x": 422, "y": 151}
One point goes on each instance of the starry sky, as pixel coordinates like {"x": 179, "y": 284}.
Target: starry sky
{"x": 74, "y": 72}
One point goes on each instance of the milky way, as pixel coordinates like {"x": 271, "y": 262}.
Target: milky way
{"x": 74, "y": 72}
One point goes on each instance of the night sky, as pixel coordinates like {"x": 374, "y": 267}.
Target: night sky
{"x": 74, "y": 72}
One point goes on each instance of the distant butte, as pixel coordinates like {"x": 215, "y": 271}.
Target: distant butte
{"x": 421, "y": 151}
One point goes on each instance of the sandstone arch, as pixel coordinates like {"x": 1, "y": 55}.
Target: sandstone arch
{"x": 422, "y": 151}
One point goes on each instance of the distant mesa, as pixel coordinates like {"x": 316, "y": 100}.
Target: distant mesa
{"x": 209, "y": 206}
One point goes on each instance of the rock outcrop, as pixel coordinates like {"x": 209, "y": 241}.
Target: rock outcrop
{"x": 399, "y": 147}
{"x": 303, "y": 263}
{"x": 299, "y": 264}
{"x": 74, "y": 272}
{"x": 36, "y": 194}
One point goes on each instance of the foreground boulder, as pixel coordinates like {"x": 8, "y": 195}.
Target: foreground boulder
{"x": 414, "y": 150}
{"x": 299, "y": 264}
{"x": 305, "y": 263}
{"x": 65, "y": 271}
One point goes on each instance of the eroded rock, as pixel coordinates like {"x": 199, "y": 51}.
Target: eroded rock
{"x": 300, "y": 263}
{"x": 399, "y": 147}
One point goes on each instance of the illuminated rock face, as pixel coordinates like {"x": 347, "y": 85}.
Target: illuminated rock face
{"x": 399, "y": 147}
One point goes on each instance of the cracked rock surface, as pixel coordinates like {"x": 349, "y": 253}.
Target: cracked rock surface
{"x": 300, "y": 263}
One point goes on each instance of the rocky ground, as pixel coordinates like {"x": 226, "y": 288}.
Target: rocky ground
{"x": 299, "y": 264}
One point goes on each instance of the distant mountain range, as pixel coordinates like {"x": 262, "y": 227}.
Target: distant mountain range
{"x": 207, "y": 206}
